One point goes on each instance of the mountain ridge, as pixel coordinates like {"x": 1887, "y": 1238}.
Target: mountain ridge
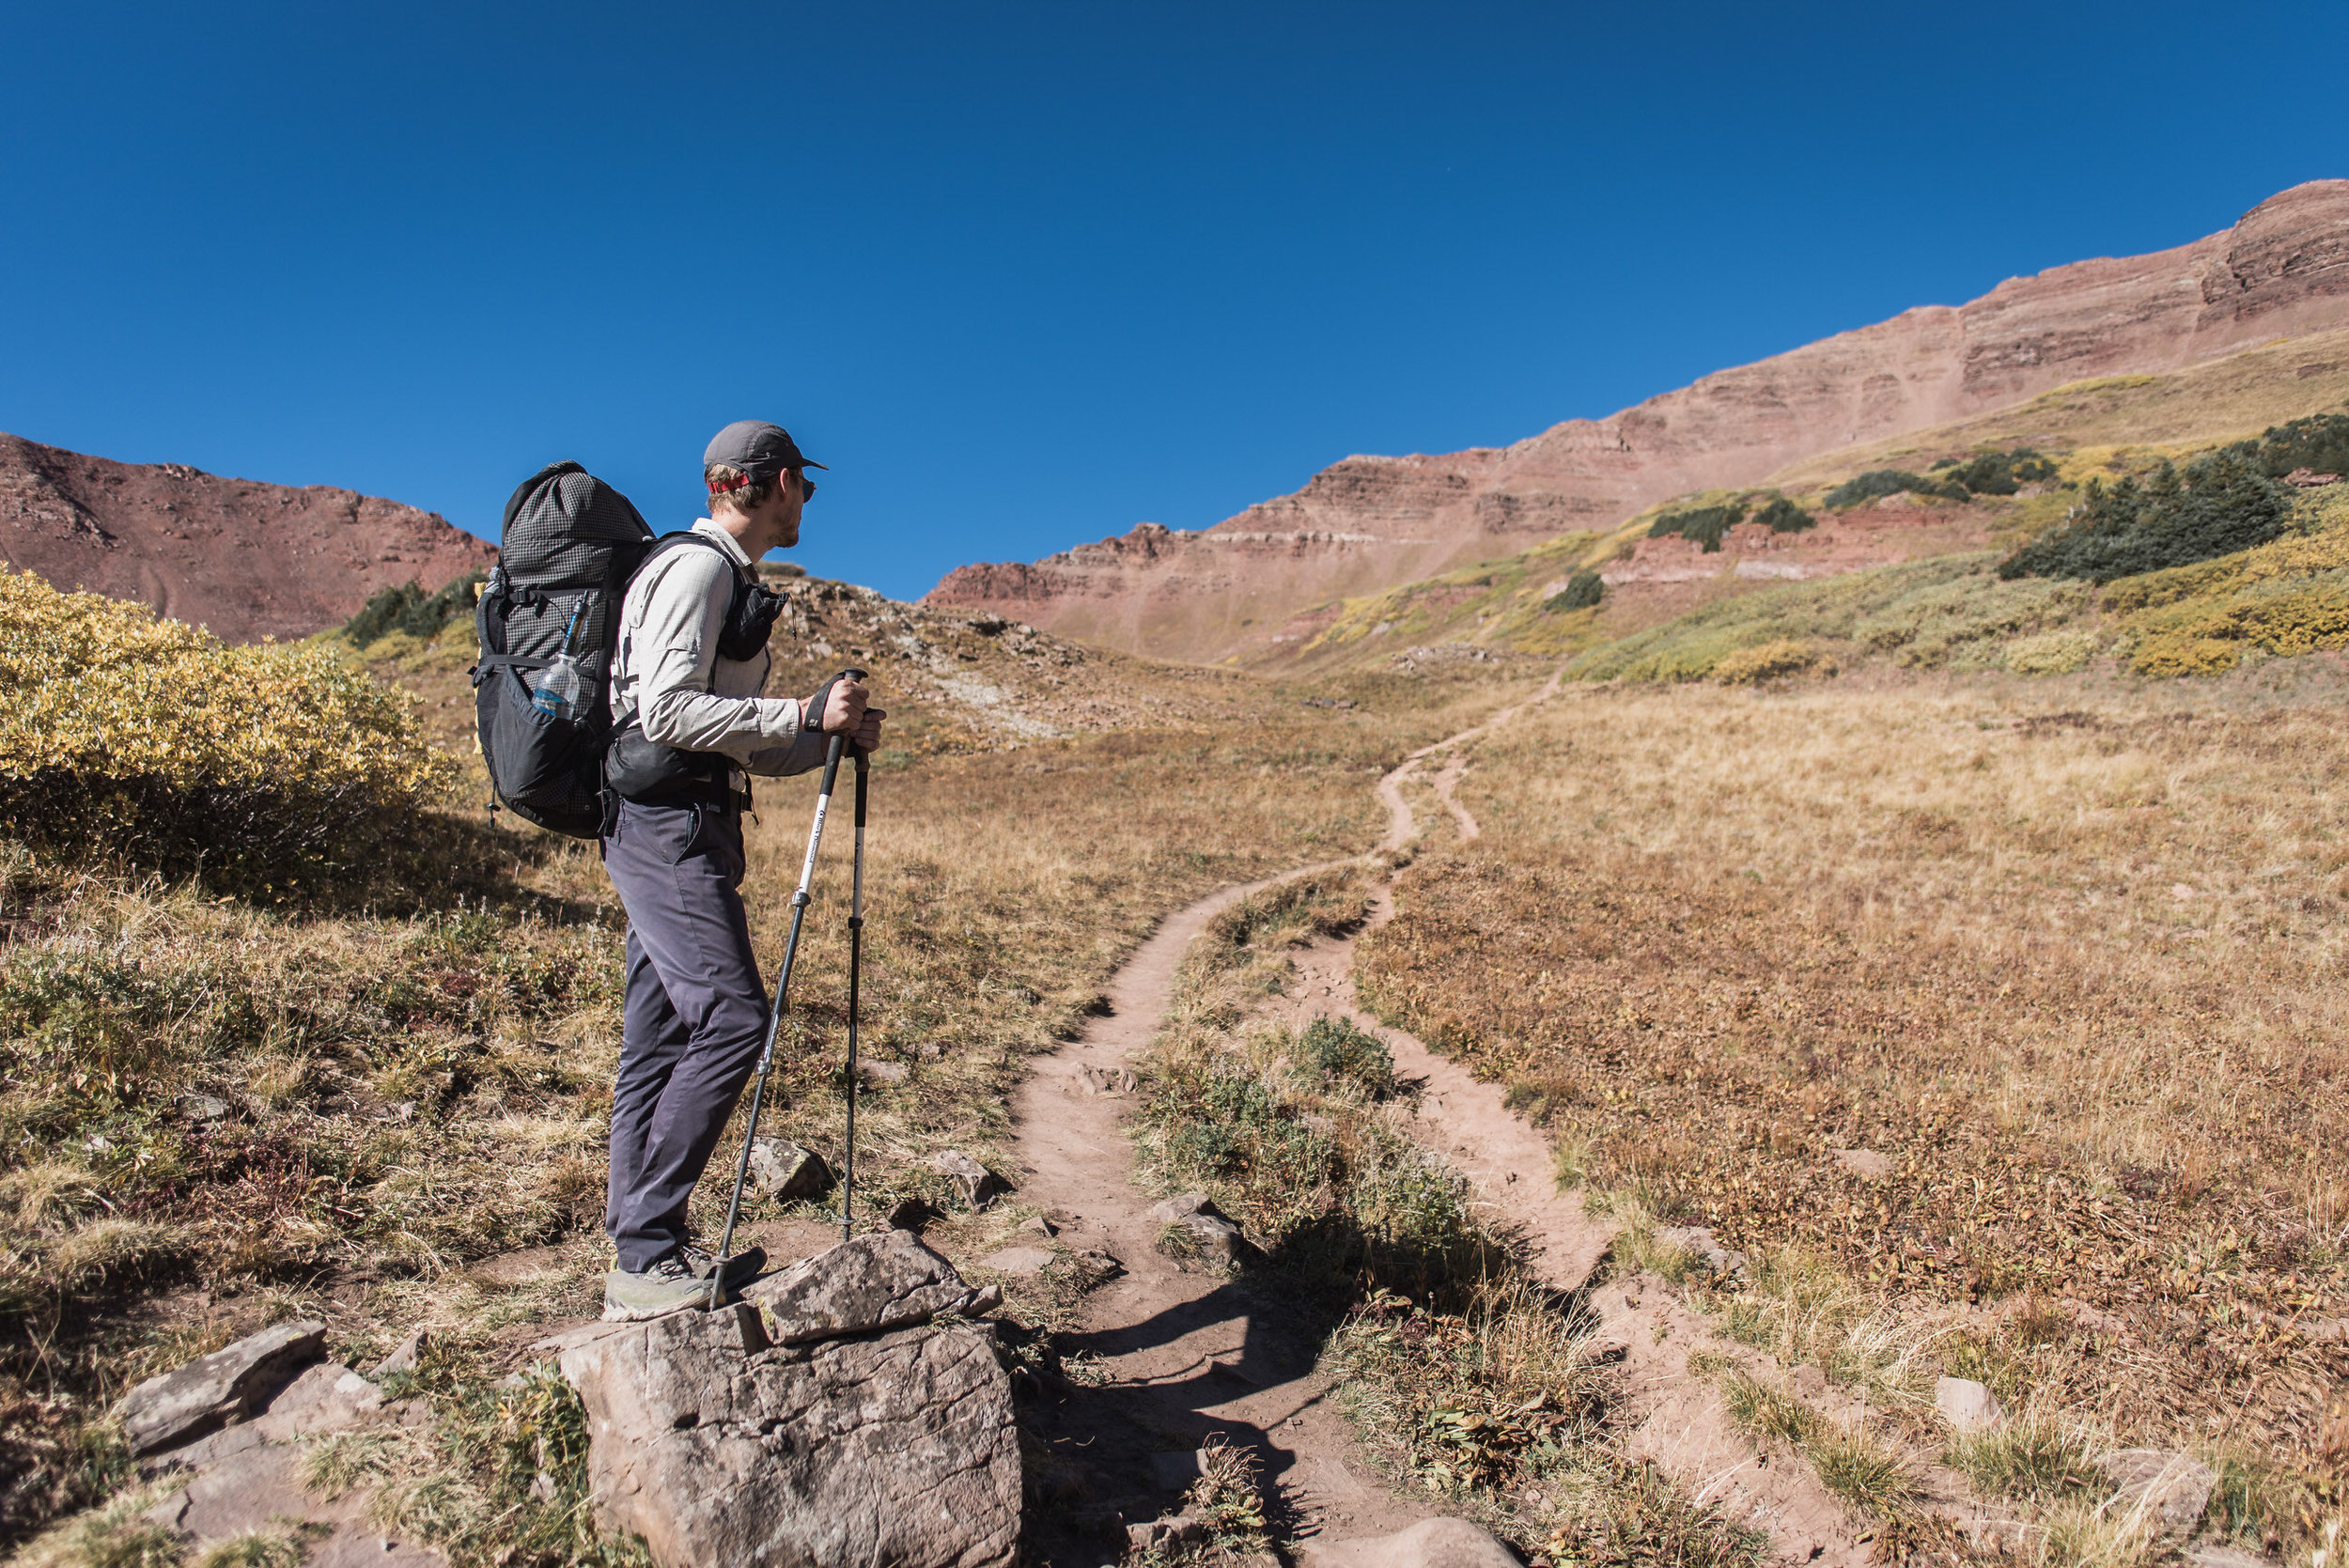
{"x": 1368, "y": 522}
{"x": 246, "y": 558}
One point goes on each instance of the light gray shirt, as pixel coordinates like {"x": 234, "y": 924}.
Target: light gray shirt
{"x": 668, "y": 672}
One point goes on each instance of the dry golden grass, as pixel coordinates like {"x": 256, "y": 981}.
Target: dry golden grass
{"x": 2076, "y": 974}
{"x": 216, "y": 1111}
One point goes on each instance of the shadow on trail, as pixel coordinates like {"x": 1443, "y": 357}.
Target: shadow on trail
{"x": 1260, "y": 1335}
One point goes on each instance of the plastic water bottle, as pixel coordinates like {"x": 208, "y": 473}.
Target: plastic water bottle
{"x": 561, "y": 691}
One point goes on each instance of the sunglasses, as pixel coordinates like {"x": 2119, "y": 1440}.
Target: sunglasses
{"x": 807, "y": 486}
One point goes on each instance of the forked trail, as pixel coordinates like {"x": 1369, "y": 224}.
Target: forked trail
{"x": 1183, "y": 1354}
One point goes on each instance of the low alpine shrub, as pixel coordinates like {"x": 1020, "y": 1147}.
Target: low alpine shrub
{"x": 2217, "y": 504}
{"x": 1704, "y": 524}
{"x": 1782, "y": 516}
{"x": 1582, "y": 590}
{"x": 2319, "y": 443}
{"x": 1877, "y": 482}
{"x": 1337, "y": 1048}
{"x": 126, "y": 735}
{"x": 1998, "y": 473}
{"x": 408, "y": 608}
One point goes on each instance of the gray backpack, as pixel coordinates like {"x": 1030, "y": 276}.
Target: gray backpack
{"x": 565, "y": 551}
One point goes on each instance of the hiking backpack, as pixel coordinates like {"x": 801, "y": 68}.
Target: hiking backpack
{"x": 567, "y": 546}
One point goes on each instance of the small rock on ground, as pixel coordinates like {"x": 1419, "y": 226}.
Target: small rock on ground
{"x": 1182, "y": 1529}
{"x": 972, "y": 1182}
{"x": 404, "y": 1358}
{"x": 212, "y": 1389}
{"x": 781, "y": 1172}
{"x": 1717, "y": 1259}
{"x": 1968, "y": 1406}
{"x": 2172, "y": 1488}
{"x": 1019, "y": 1260}
{"x": 1865, "y": 1163}
{"x": 1175, "y": 1471}
{"x": 1429, "y": 1544}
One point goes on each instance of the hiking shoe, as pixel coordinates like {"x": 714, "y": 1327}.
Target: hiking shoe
{"x": 668, "y": 1286}
{"x": 741, "y": 1267}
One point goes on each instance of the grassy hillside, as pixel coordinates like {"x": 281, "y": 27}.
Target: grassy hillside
{"x": 1922, "y": 587}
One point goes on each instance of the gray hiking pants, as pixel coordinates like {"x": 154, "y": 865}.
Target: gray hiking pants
{"x": 695, "y": 1017}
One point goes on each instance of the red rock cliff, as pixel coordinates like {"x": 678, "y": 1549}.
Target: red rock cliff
{"x": 247, "y": 559}
{"x": 1368, "y": 523}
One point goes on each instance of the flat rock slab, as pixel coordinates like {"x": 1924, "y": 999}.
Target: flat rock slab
{"x": 227, "y": 1384}
{"x": 886, "y": 1279}
{"x": 890, "y": 1451}
{"x": 1429, "y": 1544}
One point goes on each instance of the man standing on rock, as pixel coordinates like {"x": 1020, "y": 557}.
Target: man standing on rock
{"x": 688, "y": 727}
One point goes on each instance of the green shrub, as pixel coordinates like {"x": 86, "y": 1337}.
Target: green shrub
{"x": 1336, "y": 1049}
{"x": 1877, "y": 482}
{"x": 408, "y": 608}
{"x": 2320, "y": 444}
{"x": 1704, "y": 524}
{"x": 1782, "y": 516}
{"x": 1582, "y": 590}
{"x": 2217, "y": 506}
{"x": 124, "y": 735}
{"x": 1997, "y": 473}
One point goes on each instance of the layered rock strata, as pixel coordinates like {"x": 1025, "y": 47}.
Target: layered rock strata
{"x": 1369, "y": 523}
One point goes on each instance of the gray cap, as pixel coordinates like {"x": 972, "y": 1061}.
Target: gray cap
{"x": 757, "y": 448}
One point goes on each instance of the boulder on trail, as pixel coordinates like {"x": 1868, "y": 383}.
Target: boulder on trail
{"x": 1429, "y": 1544}
{"x": 883, "y": 1280}
{"x": 213, "y": 1390}
{"x": 718, "y": 1446}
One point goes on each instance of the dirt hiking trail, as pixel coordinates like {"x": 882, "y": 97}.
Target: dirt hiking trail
{"x": 1182, "y": 1356}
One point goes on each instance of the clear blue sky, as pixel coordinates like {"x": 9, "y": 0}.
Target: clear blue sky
{"x": 1026, "y": 274}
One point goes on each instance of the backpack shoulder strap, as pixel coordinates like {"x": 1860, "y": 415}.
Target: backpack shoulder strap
{"x": 677, "y": 540}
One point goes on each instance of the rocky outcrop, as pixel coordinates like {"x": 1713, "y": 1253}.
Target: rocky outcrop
{"x": 885, "y": 1441}
{"x": 247, "y": 559}
{"x": 1369, "y": 524}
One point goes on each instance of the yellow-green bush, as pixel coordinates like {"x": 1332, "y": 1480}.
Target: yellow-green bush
{"x": 1774, "y": 661}
{"x": 127, "y": 736}
{"x": 2052, "y": 652}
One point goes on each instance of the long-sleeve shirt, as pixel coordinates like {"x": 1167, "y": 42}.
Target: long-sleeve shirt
{"x": 667, "y": 670}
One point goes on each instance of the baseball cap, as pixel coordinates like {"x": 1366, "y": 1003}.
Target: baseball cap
{"x": 757, "y": 448}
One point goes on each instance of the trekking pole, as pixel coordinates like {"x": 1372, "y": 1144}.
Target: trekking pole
{"x": 856, "y": 961}
{"x": 774, "y": 1016}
